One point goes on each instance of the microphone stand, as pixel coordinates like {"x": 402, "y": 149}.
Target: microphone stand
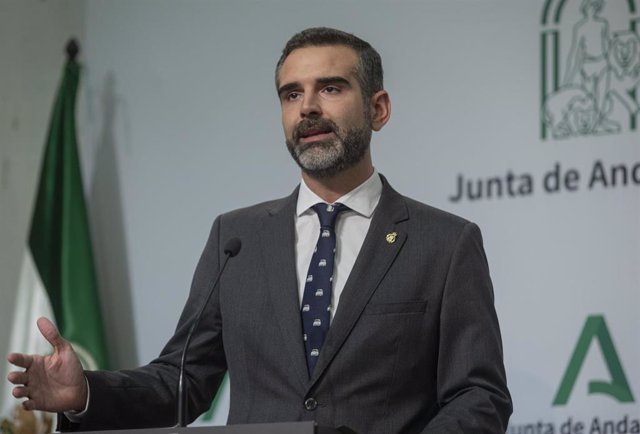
{"x": 231, "y": 249}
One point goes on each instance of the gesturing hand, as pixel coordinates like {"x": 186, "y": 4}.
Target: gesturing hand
{"x": 50, "y": 383}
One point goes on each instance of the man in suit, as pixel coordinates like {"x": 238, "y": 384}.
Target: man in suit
{"x": 413, "y": 343}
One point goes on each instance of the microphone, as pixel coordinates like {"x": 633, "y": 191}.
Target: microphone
{"x": 231, "y": 249}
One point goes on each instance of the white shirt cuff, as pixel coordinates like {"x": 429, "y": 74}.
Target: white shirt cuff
{"x": 77, "y": 416}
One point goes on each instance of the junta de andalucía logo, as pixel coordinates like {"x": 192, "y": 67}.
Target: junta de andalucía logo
{"x": 590, "y": 68}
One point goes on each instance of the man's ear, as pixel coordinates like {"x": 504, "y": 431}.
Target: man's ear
{"x": 380, "y": 109}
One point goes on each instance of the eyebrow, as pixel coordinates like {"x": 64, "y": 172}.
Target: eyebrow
{"x": 323, "y": 80}
{"x": 334, "y": 80}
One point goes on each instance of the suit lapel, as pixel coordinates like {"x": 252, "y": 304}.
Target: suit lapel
{"x": 374, "y": 259}
{"x": 278, "y": 247}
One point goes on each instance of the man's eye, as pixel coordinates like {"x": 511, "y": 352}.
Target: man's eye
{"x": 331, "y": 89}
{"x": 292, "y": 96}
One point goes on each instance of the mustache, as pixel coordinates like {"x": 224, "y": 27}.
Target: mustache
{"x": 314, "y": 124}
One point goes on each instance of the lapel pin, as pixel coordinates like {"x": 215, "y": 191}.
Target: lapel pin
{"x": 391, "y": 237}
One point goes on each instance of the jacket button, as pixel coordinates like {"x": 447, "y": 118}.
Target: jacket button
{"x": 310, "y": 404}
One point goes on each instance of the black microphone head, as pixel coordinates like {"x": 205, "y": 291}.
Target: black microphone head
{"x": 232, "y": 247}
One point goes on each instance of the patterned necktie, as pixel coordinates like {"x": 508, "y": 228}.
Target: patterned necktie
{"x": 316, "y": 301}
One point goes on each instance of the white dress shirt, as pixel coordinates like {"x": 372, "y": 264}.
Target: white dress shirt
{"x": 351, "y": 228}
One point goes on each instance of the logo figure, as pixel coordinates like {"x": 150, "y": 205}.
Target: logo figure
{"x": 590, "y": 82}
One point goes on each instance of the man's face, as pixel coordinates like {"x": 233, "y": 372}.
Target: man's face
{"x": 326, "y": 122}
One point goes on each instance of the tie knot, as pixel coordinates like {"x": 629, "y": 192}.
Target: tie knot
{"x": 328, "y": 213}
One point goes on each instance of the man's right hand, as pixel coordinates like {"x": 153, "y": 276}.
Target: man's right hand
{"x": 51, "y": 383}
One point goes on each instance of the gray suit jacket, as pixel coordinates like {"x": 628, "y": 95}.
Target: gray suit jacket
{"x": 414, "y": 345}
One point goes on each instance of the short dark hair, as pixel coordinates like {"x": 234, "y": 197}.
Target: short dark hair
{"x": 369, "y": 68}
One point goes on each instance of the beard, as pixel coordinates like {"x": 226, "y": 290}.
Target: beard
{"x": 326, "y": 158}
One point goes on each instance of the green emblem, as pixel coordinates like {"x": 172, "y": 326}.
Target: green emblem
{"x": 618, "y": 388}
{"x": 590, "y": 82}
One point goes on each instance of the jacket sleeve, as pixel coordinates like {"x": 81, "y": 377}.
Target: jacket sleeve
{"x": 147, "y": 396}
{"x": 471, "y": 382}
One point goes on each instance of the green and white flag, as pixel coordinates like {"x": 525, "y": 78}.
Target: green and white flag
{"x": 58, "y": 278}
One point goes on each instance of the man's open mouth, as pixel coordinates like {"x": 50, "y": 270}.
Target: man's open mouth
{"x": 315, "y": 133}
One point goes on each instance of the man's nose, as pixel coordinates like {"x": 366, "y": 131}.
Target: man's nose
{"x": 310, "y": 106}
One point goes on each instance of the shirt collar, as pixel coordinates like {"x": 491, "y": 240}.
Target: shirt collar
{"x": 363, "y": 199}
